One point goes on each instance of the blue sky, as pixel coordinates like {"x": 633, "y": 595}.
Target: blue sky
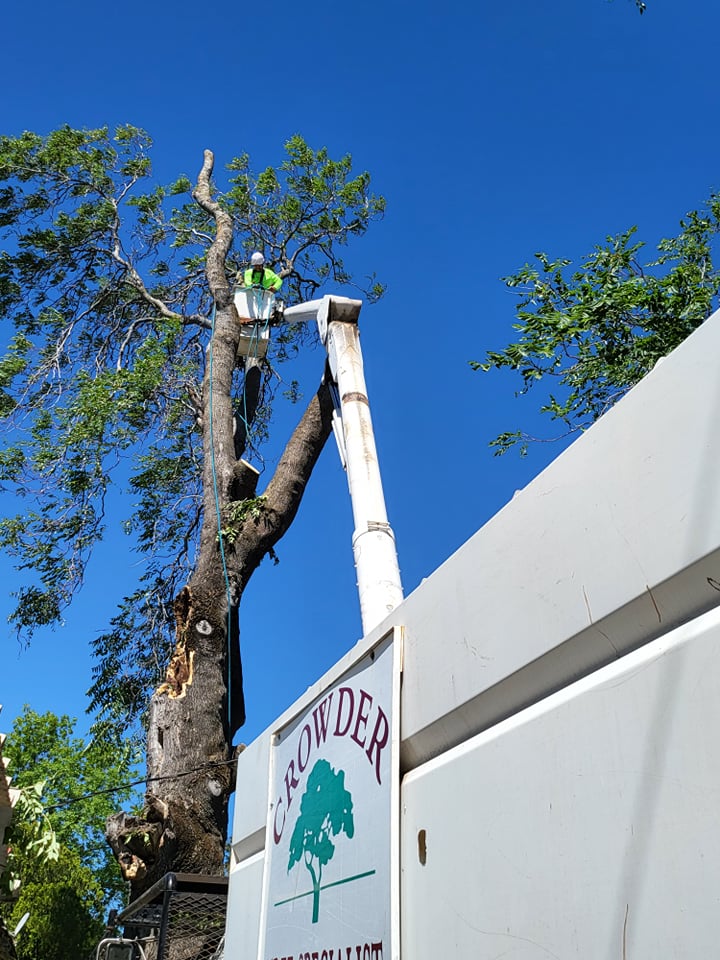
{"x": 493, "y": 130}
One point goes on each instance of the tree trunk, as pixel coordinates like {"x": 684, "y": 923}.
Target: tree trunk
{"x": 189, "y": 756}
{"x": 195, "y": 712}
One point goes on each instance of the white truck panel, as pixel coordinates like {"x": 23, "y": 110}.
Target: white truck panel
{"x": 614, "y": 543}
{"x": 562, "y": 669}
{"x": 251, "y": 799}
{"x": 585, "y": 826}
{"x": 244, "y": 907}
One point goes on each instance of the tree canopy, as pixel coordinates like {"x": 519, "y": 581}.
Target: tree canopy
{"x": 122, "y": 371}
{"x": 102, "y": 280}
{"x": 589, "y": 334}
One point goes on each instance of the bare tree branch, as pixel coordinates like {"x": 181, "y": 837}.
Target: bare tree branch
{"x": 219, "y": 249}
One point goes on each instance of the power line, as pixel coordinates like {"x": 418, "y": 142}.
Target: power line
{"x": 135, "y": 783}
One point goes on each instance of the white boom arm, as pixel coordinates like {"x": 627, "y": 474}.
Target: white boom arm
{"x": 373, "y": 541}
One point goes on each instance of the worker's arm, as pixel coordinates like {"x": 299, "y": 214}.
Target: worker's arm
{"x": 275, "y": 282}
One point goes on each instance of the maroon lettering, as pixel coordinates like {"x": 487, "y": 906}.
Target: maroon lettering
{"x": 362, "y": 718}
{"x": 302, "y": 763}
{"x": 291, "y": 781}
{"x": 377, "y": 950}
{"x": 321, "y": 715}
{"x": 345, "y": 693}
{"x": 277, "y": 832}
{"x": 378, "y": 740}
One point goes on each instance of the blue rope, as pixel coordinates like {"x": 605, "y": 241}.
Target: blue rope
{"x": 255, "y": 338}
{"x": 217, "y": 511}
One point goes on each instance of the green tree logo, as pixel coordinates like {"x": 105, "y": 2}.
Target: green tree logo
{"x": 325, "y": 811}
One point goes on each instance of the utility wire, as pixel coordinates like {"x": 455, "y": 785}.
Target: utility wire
{"x": 135, "y": 783}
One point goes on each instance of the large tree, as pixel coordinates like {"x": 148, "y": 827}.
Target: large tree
{"x": 587, "y": 334}
{"x": 121, "y": 362}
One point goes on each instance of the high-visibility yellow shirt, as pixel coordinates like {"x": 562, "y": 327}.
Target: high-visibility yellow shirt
{"x": 264, "y": 277}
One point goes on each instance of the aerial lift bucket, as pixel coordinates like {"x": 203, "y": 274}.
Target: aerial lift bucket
{"x": 254, "y": 307}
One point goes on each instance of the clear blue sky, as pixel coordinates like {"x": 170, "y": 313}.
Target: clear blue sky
{"x": 493, "y": 130}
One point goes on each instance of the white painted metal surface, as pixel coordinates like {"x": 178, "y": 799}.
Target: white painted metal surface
{"x": 254, "y": 307}
{"x": 244, "y": 907}
{"x": 306, "y": 312}
{"x": 580, "y": 823}
{"x": 583, "y": 827}
{"x": 328, "y": 872}
{"x": 614, "y": 543}
{"x": 374, "y": 548}
{"x": 255, "y": 811}
{"x": 325, "y": 311}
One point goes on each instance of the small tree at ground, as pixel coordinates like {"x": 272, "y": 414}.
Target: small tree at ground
{"x": 591, "y": 334}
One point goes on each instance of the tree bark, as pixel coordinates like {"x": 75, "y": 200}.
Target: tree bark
{"x": 195, "y": 712}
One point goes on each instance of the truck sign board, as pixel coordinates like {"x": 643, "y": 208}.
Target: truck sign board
{"x": 331, "y": 821}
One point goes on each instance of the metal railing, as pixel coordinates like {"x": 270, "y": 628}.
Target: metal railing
{"x": 181, "y": 917}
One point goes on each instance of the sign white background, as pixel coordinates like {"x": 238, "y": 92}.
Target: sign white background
{"x": 350, "y": 727}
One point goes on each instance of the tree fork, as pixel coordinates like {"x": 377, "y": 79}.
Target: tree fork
{"x": 189, "y": 753}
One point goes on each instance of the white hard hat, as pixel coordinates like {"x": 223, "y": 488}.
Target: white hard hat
{"x": 257, "y": 258}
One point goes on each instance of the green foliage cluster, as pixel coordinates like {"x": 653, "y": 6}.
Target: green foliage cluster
{"x": 596, "y": 331}
{"x": 58, "y": 859}
{"x": 64, "y": 900}
{"x": 306, "y": 196}
{"x": 237, "y": 511}
{"x": 107, "y": 312}
{"x": 43, "y": 749}
{"x": 30, "y": 838}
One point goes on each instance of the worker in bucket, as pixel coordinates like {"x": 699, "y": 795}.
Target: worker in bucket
{"x": 258, "y": 275}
